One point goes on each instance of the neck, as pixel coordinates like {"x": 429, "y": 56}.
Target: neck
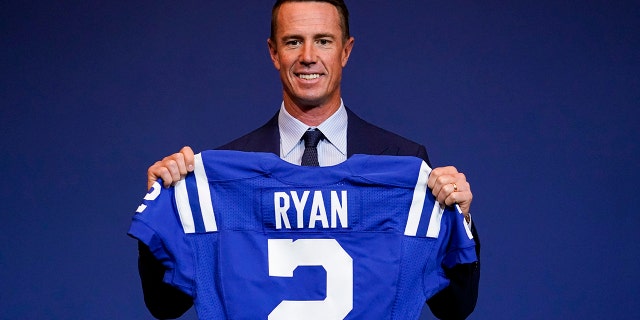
{"x": 311, "y": 115}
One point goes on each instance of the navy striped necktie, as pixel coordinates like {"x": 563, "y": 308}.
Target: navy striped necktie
{"x": 310, "y": 155}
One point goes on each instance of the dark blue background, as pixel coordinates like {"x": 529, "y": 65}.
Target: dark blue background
{"x": 536, "y": 101}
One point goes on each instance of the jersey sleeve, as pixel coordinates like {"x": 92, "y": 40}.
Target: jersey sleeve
{"x": 157, "y": 225}
{"x": 461, "y": 247}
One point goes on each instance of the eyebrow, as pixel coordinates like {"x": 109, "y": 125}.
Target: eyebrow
{"x": 324, "y": 35}
{"x": 317, "y": 36}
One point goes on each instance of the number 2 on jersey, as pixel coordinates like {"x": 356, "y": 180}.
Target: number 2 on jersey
{"x": 285, "y": 255}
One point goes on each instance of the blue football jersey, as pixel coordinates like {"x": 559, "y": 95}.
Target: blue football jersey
{"x": 250, "y": 236}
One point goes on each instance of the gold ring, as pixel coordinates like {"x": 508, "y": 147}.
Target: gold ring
{"x": 455, "y": 187}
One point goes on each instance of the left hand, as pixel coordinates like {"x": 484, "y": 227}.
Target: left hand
{"x": 450, "y": 187}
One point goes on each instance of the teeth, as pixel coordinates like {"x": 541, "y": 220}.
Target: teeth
{"x": 309, "y": 76}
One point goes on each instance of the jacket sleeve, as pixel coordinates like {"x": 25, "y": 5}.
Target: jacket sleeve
{"x": 162, "y": 300}
{"x": 458, "y": 300}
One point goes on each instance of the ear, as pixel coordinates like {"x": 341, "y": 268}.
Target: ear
{"x": 348, "y": 46}
{"x": 273, "y": 52}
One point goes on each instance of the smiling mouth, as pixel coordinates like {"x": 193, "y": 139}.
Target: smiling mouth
{"x": 308, "y": 76}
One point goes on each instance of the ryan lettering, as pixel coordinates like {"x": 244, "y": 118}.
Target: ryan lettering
{"x": 311, "y": 210}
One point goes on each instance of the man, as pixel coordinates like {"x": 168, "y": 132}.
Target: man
{"x": 309, "y": 45}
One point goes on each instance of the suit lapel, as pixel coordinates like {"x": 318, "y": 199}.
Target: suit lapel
{"x": 263, "y": 139}
{"x": 364, "y": 138}
{"x": 267, "y": 138}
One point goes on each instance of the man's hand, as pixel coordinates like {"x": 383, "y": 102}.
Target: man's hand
{"x": 450, "y": 187}
{"x": 172, "y": 168}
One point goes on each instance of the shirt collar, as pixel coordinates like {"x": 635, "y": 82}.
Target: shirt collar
{"x": 292, "y": 129}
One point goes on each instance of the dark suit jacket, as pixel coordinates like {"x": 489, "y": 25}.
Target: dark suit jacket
{"x": 455, "y": 302}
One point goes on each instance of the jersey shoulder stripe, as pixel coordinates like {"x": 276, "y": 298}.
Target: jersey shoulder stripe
{"x": 193, "y": 201}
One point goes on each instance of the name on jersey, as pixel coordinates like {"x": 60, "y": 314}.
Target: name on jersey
{"x": 311, "y": 209}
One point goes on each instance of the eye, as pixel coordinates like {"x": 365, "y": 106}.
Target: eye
{"x": 293, "y": 43}
{"x": 324, "y": 42}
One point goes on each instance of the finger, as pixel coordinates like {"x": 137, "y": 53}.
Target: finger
{"x": 456, "y": 198}
{"x": 167, "y": 177}
{"x": 178, "y": 159}
{"x": 445, "y": 192}
{"x": 443, "y": 185}
{"x": 158, "y": 171}
{"x": 174, "y": 169}
{"x": 439, "y": 172}
{"x": 189, "y": 161}
{"x": 462, "y": 199}
{"x": 151, "y": 178}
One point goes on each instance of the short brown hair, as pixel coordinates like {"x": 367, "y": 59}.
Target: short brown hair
{"x": 339, "y": 4}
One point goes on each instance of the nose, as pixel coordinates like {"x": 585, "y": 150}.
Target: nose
{"x": 308, "y": 55}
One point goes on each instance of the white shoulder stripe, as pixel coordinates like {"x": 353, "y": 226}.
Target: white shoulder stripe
{"x": 466, "y": 225}
{"x": 204, "y": 195}
{"x": 184, "y": 208}
{"x": 434, "y": 223}
{"x": 417, "y": 204}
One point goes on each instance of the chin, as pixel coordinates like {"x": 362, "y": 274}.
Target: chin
{"x": 310, "y": 99}
{"x": 308, "y": 105}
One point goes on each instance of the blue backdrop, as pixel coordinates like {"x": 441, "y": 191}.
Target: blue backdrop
{"x": 536, "y": 101}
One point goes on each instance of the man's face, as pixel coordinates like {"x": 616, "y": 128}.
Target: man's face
{"x": 309, "y": 52}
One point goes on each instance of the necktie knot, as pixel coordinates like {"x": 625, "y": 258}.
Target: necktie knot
{"x": 311, "y": 139}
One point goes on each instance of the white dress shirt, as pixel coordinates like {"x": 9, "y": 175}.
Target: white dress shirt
{"x": 331, "y": 151}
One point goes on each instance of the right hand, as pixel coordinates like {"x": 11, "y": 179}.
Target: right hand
{"x": 171, "y": 169}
